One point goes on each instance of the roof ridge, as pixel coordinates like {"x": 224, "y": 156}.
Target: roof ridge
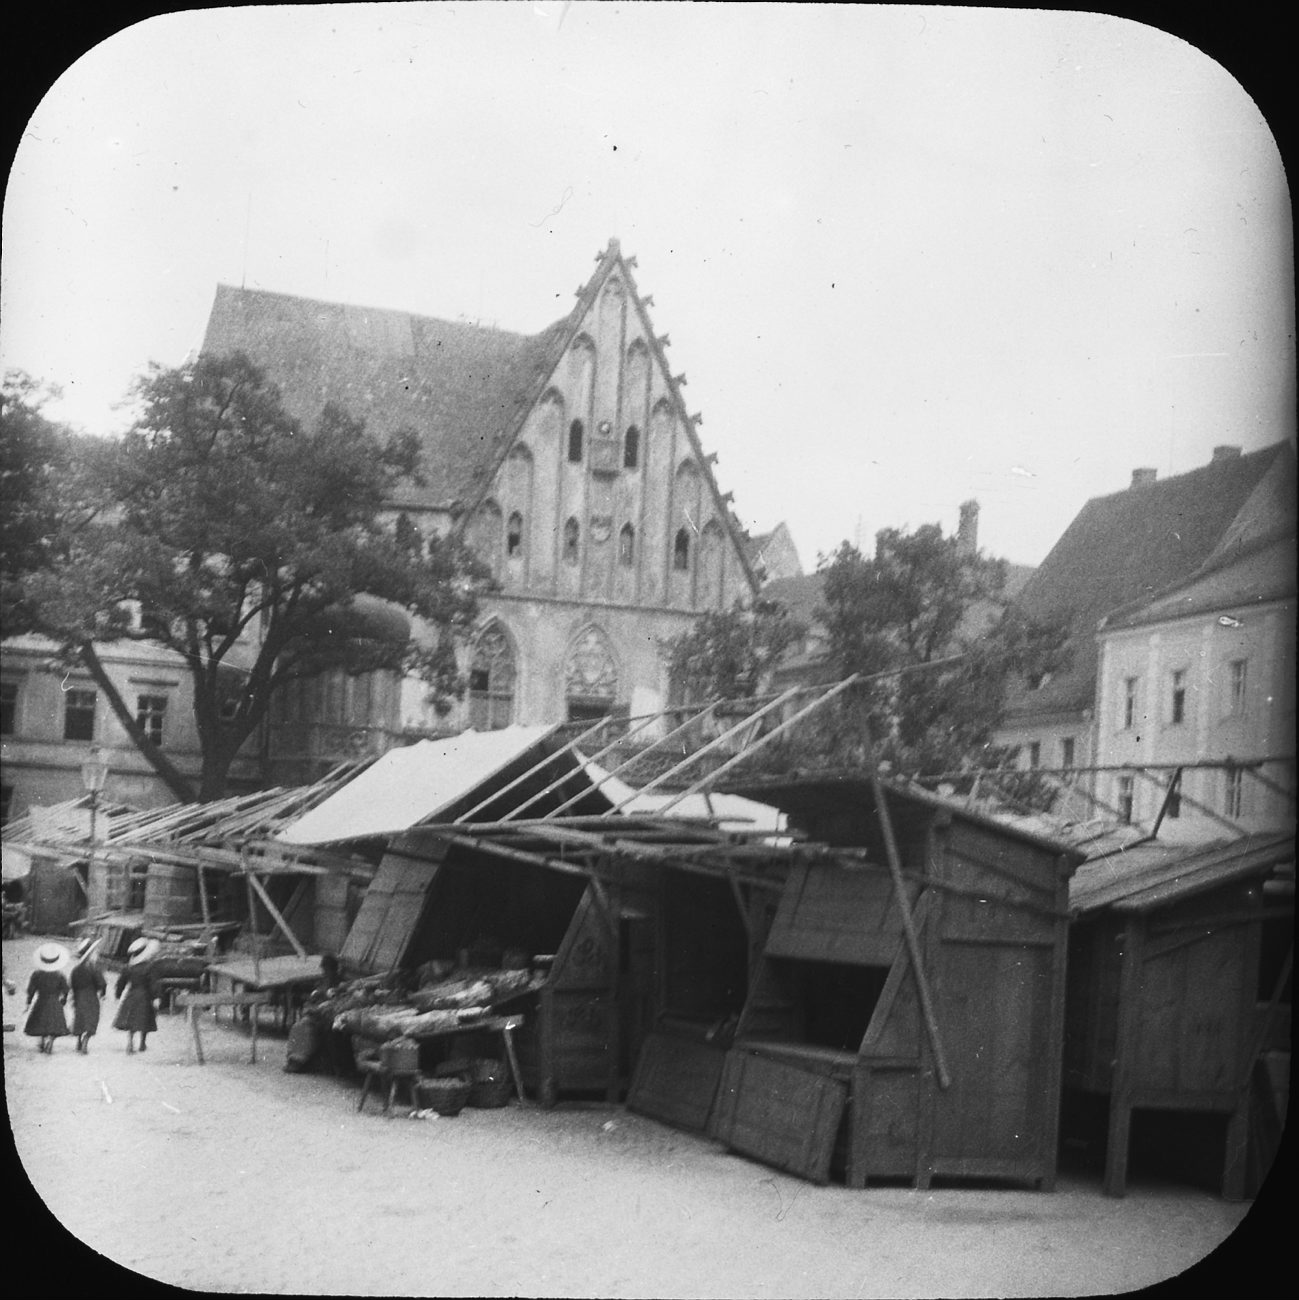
{"x": 391, "y": 311}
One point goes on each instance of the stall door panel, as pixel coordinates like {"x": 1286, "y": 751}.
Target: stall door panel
{"x": 993, "y": 1014}
{"x": 886, "y": 1122}
{"x": 779, "y": 1114}
{"x": 676, "y": 1081}
{"x": 389, "y": 913}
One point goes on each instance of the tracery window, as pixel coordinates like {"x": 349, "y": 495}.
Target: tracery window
{"x": 631, "y": 447}
{"x": 572, "y": 535}
{"x": 492, "y": 675}
{"x": 576, "y": 433}
{"x": 627, "y": 545}
{"x": 514, "y": 534}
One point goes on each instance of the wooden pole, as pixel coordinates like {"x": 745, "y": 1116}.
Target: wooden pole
{"x": 275, "y": 914}
{"x": 252, "y": 923}
{"x": 904, "y": 909}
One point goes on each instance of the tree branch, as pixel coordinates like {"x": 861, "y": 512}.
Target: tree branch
{"x": 154, "y": 756}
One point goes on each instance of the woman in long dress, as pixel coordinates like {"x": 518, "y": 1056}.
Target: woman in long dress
{"x": 88, "y": 988}
{"x": 47, "y": 992}
{"x": 135, "y": 1011}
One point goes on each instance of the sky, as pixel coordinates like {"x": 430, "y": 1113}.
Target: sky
{"x": 907, "y": 256}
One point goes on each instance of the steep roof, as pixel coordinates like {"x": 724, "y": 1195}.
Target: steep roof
{"x": 457, "y": 385}
{"x": 1154, "y": 875}
{"x": 1126, "y": 547}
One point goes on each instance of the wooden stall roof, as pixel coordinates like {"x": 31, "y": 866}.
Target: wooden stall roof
{"x": 1152, "y": 875}
{"x": 821, "y": 791}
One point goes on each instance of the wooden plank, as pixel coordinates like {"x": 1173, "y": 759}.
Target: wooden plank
{"x": 389, "y": 912}
{"x": 676, "y": 1081}
{"x": 780, "y": 1114}
{"x": 830, "y": 912}
{"x": 886, "y": 1122}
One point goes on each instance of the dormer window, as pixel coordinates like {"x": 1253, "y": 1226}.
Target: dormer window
{"x": 576, "y": 434}
{"x": 631, "y": 447}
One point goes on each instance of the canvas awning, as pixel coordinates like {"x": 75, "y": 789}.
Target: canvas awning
{"x": 418, "y": 783}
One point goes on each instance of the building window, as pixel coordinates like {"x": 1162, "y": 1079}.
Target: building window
{"x": 572, "y": 534}
{"x": 627, "y": 545}
{"x": 631, "y": 447}
{"x": 1126, "y": 785}
{"x": 8, "y": 708}
{"x": 576, "y": 432}
{"x": 681, "y": 551}
{"x": 514, "y": 534}
{"x": 1178, "y": 713}
{"x": 149, "y": 713}
{"x": 1130, "y": 703}
{"x": 1066, "y": 751}
{"x": 1035, "y": 753}
{"x": 79, "y": 715}
{"x": 491, "y": 682}
{"x": 1233, "y": 803}
{"x": 1236, "y": 680}
{"x": 1173, "y": 802}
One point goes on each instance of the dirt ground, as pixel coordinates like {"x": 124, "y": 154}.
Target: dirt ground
{"x": 234, "y": 1177}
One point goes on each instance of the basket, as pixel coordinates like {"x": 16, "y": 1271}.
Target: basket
{"x": 400, "y": 1056}
{"x": 446, "y": 1096}
{"x": 490, "y": 1089}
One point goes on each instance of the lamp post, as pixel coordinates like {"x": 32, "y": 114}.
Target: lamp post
{"x": 94, "y": 773}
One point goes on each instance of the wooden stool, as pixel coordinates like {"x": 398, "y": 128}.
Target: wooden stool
{"x": 376, "y": 1070}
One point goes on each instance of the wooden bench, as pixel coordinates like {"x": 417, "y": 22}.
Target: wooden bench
{"x": 173, "y": 986}
{"x": 195, "y": 1002}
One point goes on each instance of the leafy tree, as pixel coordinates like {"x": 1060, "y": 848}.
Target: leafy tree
{"x": 238, "y": 539}
{"x": 727, "y": 655}
{"x": 39, "y": 490}
{"x": 929, "y": 605}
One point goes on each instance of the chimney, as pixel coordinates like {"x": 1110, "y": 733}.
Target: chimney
{"x": 967, "y": 532}
{"x": 1225, "y": 452}
{"x": 1143, "y": 477}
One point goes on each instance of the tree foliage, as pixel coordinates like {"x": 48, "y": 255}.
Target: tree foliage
{"x": 232, "y": 535}
{"x": 727, "y": 654}
{"x": 926, "y": 604}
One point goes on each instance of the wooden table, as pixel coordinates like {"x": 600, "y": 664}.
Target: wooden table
{"x": 503, "y": 1025}
{"x": 195, "y": 1002}
{"x": 285, "y": 978}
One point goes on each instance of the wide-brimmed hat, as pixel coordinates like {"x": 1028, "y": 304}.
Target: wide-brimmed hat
{"x": 142, "y": 950}
{"x": 52, "y": 955}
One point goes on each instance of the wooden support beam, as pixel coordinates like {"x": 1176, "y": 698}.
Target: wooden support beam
{"x": 275, "y": 914}
{"x": 904, "y": 910}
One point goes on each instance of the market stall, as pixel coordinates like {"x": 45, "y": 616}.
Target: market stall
{"x": 906, "y": 1015}
{"x": 1179, "y": 995}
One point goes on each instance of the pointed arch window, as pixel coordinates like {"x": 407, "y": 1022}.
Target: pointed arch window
{"x": 681, "y": 551}
{"x": 576, "y": 435}
{"x": 631, "y": 447}
{"x": 492, "y": 674}
{"x": 514, "y": 535}
{"x": 627, "y": 545}
{"x": 572, "y": 535}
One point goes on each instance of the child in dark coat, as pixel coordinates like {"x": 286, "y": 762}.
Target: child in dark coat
{"x": 47, "y": 991}
{"x": 135, "y": 1011}
{"x": 88, "y": 988}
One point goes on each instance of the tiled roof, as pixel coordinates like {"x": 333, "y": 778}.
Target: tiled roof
{"x": 1128, "y": 546}
{"x": 1153, "y": 875}
{"x": 459, "y": 386}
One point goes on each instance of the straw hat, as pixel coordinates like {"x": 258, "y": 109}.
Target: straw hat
{"x": 52, "y": 955}
{"x": 142, "y": 950}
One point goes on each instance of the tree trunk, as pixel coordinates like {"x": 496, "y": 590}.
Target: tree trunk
{"x": 161, "y": 764}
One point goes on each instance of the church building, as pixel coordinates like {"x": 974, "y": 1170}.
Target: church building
{"x": 575, "y": 470}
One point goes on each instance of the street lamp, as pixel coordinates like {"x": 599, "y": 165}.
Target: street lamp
{"x": 94, "y": 773}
